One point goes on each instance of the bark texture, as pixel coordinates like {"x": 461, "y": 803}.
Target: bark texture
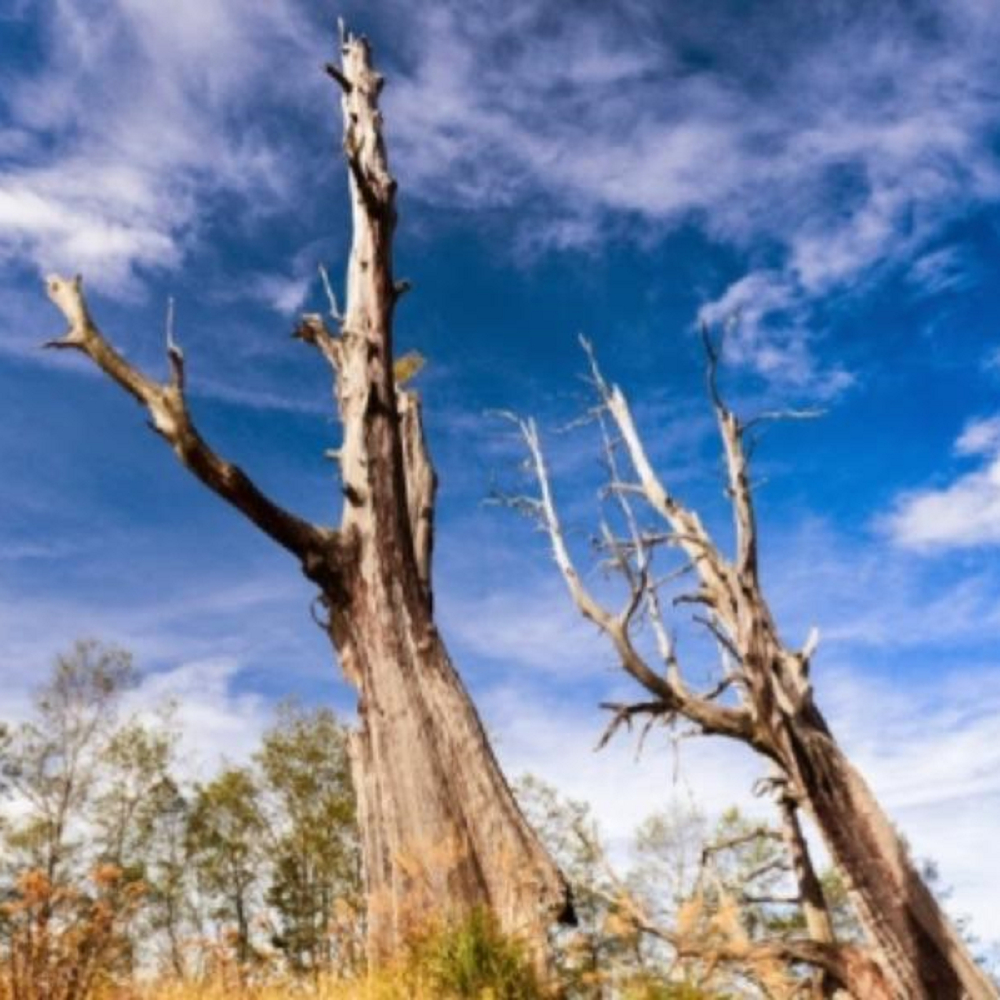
{"x": 441, "y": 832}
{"x": 914, "y": 953}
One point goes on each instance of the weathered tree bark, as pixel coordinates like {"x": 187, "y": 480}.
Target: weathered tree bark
{"x": 919, "y": 954}
{"x": 441, "y": 832}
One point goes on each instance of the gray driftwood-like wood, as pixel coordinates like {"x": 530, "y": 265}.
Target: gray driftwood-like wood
{"x": 441, "y": 832}
{"x": 914, "y": 952}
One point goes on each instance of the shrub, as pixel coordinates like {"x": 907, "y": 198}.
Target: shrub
{"x": 473, "y": 959}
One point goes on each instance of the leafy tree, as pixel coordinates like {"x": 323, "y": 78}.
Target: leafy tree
{"x": 608, "y": 955}
{"x": 226, "y": 845}
{"x": 52, "y": 763}
{"x": 136, "y": 787}
{"x": 570, "y": 833}
{"x": 172, "y": 912}
{"x": 82, "y": 784}
{"x": 314, "y": 849}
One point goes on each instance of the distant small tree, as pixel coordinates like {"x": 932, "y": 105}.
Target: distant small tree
{"x": 52, "y": 763}
{"x": 314, "y": 850}
{"x": 226, "y": 846}
{"x": 81, "y": 788}
{"x": 586, "y": 955}
{"x": 135, "y": 788}
{"x": 171, "y": 911}
{"x": 612, "y": 953}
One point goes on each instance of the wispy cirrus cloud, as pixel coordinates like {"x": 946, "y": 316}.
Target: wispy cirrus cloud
{"x": 133, "y": 118}
{"x": 831, "y": 148}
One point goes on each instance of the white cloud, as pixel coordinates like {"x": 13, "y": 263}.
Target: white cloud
{"x": 872, "y": 598}
{"x": 965, "y": 512}
{"x": 532, "y": 626}
{"x": 949, "y": 269}
{"x": 216, "y": 720}
{"x": 979, "y": 437}
{"x": 608, "y": 122}
{"x": 589, "y": 123}
{"x": 135, "y": 116}
{"x": 553, "y": 737}
{"x": 781, "y": 352}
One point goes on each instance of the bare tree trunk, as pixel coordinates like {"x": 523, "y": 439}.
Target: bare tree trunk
{"x": 812, "y": 900}
{"x": 441, "y": 832}
{"x": 440, "y": 826}
{"x": 919, "y": 954}
{"x": 923, "y": 953}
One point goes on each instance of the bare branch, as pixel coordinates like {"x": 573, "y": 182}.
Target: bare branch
{"x": 720, "y": 636}
{"x": 712, "y": 355}
{"x": 312, "y": 330}
{"x": 774, "y": 416}
{"x": 169, "y": 416}
{"x": 686, "y": 525}
{"x": 808, "y": 650}
{"x": 815, "y": 908}
{"x": 421, "y": 484}
{"x": 174, "y": 353}
{"x": 583, "y": 599}
{"x": 623, "y": 714}
{"x": 334, "y": 71}
{"x": 735, "y": 723}
{"x": 649, "y": 591}
{"x": 335, "y": 314}
{"x": 769, "y": 900}
{"x": 739, "y": 840}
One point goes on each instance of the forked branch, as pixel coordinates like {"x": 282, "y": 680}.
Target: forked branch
{"x": 169, "y": 416}
{"x": 671, "y": 694}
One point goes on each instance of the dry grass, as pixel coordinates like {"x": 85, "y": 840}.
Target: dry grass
{"x": 471, "y": 960}
{"x": 386, "y": 986}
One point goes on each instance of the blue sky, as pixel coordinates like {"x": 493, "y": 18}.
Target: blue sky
{"x": 829, "y": 172}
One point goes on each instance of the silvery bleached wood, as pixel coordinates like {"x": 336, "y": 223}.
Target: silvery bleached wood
{"x": 914, "y": 952}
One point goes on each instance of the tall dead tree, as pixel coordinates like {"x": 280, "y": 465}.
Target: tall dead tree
{"x": 764, "y": 700}
{"x": 441, "y": 831}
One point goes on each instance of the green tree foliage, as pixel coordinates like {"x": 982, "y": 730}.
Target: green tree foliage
{"x": 52, "y": 764}
{"x": 226, "y": 846}
{"x": 606, "y": 956}
{"x": 70, "y": 904}
{"x": 313, "y": 843}
{"x": 98, "y": 823}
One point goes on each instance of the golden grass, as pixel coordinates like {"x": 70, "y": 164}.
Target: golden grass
{"x": 469, "y": 961}
{"x": 386, "y": 986}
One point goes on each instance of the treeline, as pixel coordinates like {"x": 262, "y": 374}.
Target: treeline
{"x": 118, "y": 868}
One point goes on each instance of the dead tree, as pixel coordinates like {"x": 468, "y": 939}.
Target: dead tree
{"x": 764, "y": 699}
{"x": 441, "y": 831}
